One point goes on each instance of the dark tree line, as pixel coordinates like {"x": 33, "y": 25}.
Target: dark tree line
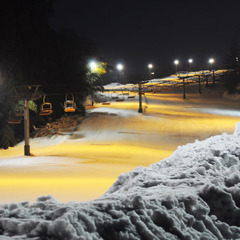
{"x": 31, "y": 52}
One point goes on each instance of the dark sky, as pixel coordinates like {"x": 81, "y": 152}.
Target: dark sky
{"x": 157, "y": 31}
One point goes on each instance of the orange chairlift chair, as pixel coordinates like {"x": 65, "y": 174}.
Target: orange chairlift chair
{"x": 69, "y": 104}
{"x": 46, "y": 108}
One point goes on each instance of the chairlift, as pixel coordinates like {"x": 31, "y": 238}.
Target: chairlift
{"x": 13, "y": 119}
{"x": 46, "y": 108}
{"x": 106, "y": 103}
{"x": 19, "y": 113}
{"x": 69, "y": 104}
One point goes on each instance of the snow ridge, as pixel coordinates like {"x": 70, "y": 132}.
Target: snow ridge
{"x": 193, "y": 194}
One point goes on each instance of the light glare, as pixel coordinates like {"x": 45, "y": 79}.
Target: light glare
{"x": 150, "y": 66}
{"x": 120, "y": 67}
{"x": 211, "y": 61}
{"x": 93, "y": 65}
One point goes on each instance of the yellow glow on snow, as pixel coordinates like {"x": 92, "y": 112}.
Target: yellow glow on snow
{"x": 63, "y": 189}
{"x": 86, "y": 164}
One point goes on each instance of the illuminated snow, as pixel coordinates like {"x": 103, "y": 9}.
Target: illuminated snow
{"x": 193, "y": 194}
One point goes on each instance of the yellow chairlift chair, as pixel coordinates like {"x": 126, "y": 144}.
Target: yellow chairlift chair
{"x": 46, "y": 108}
{"x": 69, "y": 104}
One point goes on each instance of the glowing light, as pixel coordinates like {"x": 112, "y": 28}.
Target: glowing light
{"x": 150, "y": 66}
{"x": 211, "y": 61}
{"x": 120, "y": 67}
{"x": 190, "y": 60}
{"x": 176, "y": 62}
{"x": 93, "y": 65}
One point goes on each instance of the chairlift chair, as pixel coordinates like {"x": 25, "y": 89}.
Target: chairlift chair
{"x": 69, "y": 104}
{"x": 19, "y": 113}
{"x": 13, "y": 119}
{"x": 46, "y": 108}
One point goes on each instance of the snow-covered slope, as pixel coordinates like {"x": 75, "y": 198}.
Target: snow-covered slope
{"x": 194, "y": 194}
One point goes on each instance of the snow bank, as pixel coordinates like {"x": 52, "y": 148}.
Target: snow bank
{"x": 194, "y": 194}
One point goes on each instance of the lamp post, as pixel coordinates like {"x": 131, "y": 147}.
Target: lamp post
{"x": 199, "y": 82}
{"x": 140, "y": 110}
{"x": 211, "y": 62}
{"x": 190, "y": 64}
{"x": 120, "y": 68}
{"x": 26, "y": 128}
{"x": 150, "y": 66}
{"x": 183, "y": 77}
{"x": 176, "y": 62}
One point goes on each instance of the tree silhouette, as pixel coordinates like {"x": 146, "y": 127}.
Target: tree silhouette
{"x": 33, "y": 53}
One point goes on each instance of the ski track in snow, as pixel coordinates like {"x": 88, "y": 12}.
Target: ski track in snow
{"x": 193, "y": 194}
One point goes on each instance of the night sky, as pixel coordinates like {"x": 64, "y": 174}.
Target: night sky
{"x": 136, "y": 33}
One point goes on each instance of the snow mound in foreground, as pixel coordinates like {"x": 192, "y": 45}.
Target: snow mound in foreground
{"x": 194, "y": 194}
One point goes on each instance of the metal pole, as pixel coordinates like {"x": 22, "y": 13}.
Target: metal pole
{"x": 26, "y": 128}
{"x": 184, "y": 95}
{"x": 140, "y": 98}
{"x": 213, "y": 76}
{"x": 199, "y": 85}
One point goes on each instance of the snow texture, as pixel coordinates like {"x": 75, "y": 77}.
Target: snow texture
{"x": 193, "y": 194}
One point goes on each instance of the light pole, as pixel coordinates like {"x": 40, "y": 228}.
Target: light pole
{"x": 150, "y": 66}
{"x": 176, "y": 62}
{"x": 140, "y": 110}
{"x": 211, "y": 62}
{"x": 199, "y": 83}
{"x": 120, "y": 68}
{"x": 190, "y": 64}
{"x": 26, "y": 128}
{"x": 183, "y": 77}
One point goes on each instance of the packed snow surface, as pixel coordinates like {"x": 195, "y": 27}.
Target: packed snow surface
{"x": 193, "y": 194}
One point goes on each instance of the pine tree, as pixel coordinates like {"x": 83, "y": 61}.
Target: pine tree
{"x": 7, "y": 138}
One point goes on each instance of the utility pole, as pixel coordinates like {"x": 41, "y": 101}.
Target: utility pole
{"x": 140, "y": 110}
{"x": 199, "y": 83}
{"x": 26, "y": 128}
{"x": 213, "y": 76}
{"x": 206, "y": 80}
{"x": 140, "y": 98}
{"x": 184, "y": 90}
{"x": 27, "y": 93}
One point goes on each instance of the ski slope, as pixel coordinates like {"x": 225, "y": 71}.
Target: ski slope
{"x": 111, "y": 140}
